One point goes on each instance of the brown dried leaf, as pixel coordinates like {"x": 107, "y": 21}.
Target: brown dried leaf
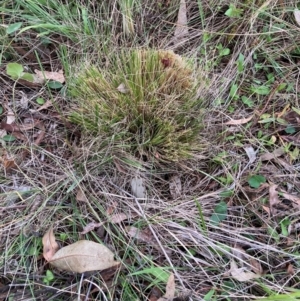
{"x": 297, "y": 15}
{"x": 273, "y": 197}
{"x": 80, "y": 196}
{"x": 240, "y": 274}
{"x": 2, "y": 133}
{"x": 122, "y": 88}
{"x": 83, "y": 256}
{"x": 239, "y": 121}
{"x": 155, "y": 294}
{"x": 111, "y": 208}
{"x": 19, "y": 128}
{"x": 138, "y": 188}
{"x": 118, "y": 218}
{"x": 50, "y": 246}
{"x": 256, "y": 266}
{"x": 41, "y": 76}
{"x": 138, "y": 234}
{"x": 175, "y": 186}
{"x": 90, "y": 227}
{"x": 290, "y": 270}
{"x": 170, "y": 290}
{"x": 295, "y": 199}
{"x": 181, "y": 30}
{"x": 10, "y": 115}
{"x": 275, "y": 154}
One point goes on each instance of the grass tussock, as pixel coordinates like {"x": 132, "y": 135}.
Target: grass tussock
{"x": 143, "y": 102}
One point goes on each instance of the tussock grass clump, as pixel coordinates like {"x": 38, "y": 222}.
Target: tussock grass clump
{"x": 143, "y": 103}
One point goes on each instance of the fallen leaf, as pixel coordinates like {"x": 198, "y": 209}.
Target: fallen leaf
{"x": 155, "y": 294}
{"x": 251, "y": 153}
{"x": 41, "y": 76}
{"x": 239, "y": 121}
{"x": 290, "y": 270}
{"x": 297, "y": 15}
{"x": 138, "y": 187}
{"x": 255, "y": 266}
{"x": 291, "y": 197}
{"x": 2, "y": 133}
{"x": 41, "y": 134}
{"x": 122, "y": 88}
{"x": 107, "y": 274}
{"x": 239, "y": 252}
{"x": 275, "y": 154}
{"x": 50, "y": 246}
{"x": 24, "y": 101}
{"x": 111, "y": 208}
{"x": 170, "y": 290}
{"x": 80, "y": 196}
{"x": 18, "y": 128}
{"x": 175, "y": 186}
{"x": 273, "y": 197}
{"x": 181, "y": 30}
{"x": 240, "y": 274}
{"x": 138, "y": 234}
{"x": 9, "y": 164}
{"x": 117, "y": 218}
{"x": 10, "y": 116}
{"x": 83, "y": 256}
{"x": 90, "y": 227}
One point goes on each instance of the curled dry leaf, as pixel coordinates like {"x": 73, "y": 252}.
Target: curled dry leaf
{"x": 240, "y": 274}
{"x": 50, "y": 246}
{"x": 83, "y": 256}
{"x": 239, "y": 121}
{"x": 170, "y": 290}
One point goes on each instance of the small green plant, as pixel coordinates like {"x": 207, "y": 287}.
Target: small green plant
{"x": 16, "y": 71}
{"x": 256, "y": 180}
{"x": 143, "y": 104}
{"x": 48, "y": 278}
{"x": 233, "y": 11}
{"x": 220, "y": 213}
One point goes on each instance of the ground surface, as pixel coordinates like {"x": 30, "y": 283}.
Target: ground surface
{"x": 224, "y": 223}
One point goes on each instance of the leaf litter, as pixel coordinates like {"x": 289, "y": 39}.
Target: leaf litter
{"x": 79, "y": 257}
{"x": 83, "y": 256}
